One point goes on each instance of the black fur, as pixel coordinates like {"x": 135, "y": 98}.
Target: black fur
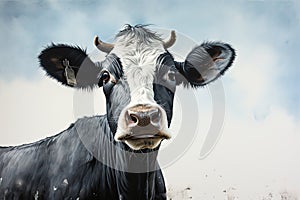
{"x": 61, "y": 167}
{"x": 198, "y": 60}
{"x": 86, "y": 71}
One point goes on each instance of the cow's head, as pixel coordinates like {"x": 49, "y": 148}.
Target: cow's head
{"x": 139, "y": 77}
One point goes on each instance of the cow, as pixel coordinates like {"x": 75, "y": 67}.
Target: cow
{"x": 113, "y": 156}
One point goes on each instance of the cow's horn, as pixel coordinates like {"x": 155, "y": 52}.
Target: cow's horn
{"x": 102, "y": 46}
{"x": 171, "y": 41}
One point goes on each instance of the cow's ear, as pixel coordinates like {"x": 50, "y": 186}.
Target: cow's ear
{"x": 205, "y": 63}
{"x": 70, "y": 65}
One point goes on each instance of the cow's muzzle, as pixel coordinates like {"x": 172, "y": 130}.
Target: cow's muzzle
{"x": 143, "y": 115}
{"x": 142, "y": 126}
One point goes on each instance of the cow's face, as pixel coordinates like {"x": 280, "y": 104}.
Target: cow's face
{"x": 140, "y": 100}
{"x": 139, "y": 77}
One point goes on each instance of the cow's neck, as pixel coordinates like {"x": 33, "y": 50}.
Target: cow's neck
{"x": 135, "y": 172}
{"x": 136, "y": 186}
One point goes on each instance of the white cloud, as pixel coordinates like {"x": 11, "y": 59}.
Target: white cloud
{"x": 254, "y": 75}
{"x": 33, "y": 110}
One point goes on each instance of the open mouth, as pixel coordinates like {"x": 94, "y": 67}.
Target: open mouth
{"x": 144, "y": 136}
{"x": 143, "y": 141}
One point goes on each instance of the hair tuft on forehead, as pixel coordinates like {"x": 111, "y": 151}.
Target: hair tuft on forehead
{"x": 139, "y": 32}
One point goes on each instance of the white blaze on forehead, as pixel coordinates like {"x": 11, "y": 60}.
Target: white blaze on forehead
{"x": 138, "y": 59}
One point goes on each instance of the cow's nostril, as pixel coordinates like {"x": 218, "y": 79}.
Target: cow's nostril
{"x": 133, "y": 118}
{"x": 155, "y": 117}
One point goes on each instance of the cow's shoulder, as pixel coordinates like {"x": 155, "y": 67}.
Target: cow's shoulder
{"x": 97, "y": 124}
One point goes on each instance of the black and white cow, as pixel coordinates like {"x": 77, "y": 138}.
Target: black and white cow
{"x": 111, "y": 156}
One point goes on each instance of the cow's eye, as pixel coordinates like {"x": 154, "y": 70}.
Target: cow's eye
{"x": 105, "y": 76}
{"x": 172, "y": 76}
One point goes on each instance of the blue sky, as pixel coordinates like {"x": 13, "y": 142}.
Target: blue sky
{"x": 262, "y": 94}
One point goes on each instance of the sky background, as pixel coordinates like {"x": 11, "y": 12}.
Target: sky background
{"x": 259, "y": 149}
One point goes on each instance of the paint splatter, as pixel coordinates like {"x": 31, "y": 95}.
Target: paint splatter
{"x": 36, "y": 196}
{"x": 65, "y": 182}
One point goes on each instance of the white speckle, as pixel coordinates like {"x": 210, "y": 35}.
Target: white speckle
{"x": 19, "y": 183}
{"x": 1, "y": 180}
{"x": 65, "y": 181}
{"x": 77, "y": 198}
{"x": 36, "y": 196}
{"x": 54, "y": 188}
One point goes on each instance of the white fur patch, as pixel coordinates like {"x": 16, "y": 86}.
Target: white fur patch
{"x": 139, "y": 64}
{"x": 139, "y": 60}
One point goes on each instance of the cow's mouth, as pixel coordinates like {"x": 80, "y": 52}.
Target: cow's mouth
{"x": 143, "y": 141}
{"x": 144, "y": 136}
